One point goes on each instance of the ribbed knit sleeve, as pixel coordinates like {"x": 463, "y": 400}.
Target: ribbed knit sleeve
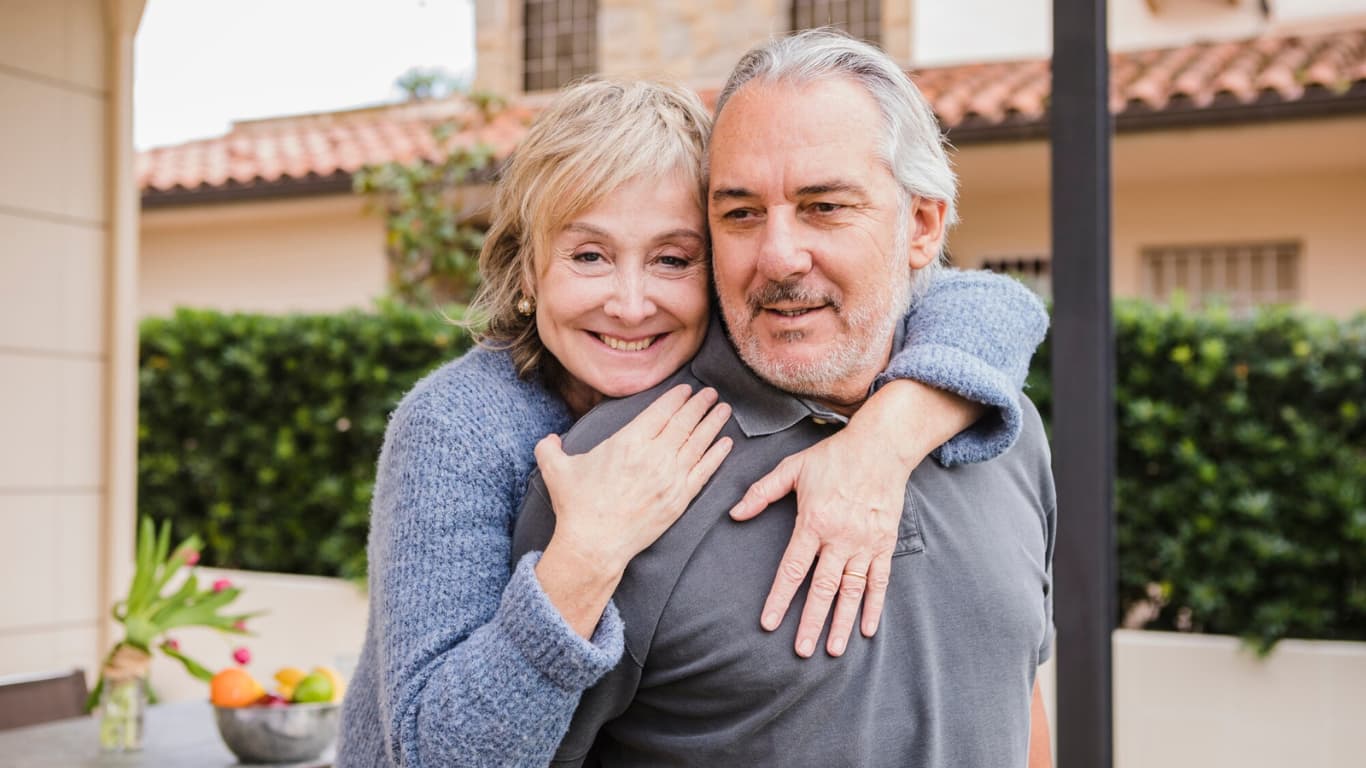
{"x": 973, "y": 334}
{"x": 470, "y": 662}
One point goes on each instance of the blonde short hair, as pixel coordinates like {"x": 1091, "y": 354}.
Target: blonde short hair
{"x": 596, "y": 136}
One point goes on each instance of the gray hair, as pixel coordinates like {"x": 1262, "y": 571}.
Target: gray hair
{"x": 913, "y": 146}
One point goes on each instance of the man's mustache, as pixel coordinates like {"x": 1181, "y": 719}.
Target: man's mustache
{"x": 774, "y": 292}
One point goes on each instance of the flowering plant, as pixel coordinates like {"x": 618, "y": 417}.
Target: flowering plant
{"x": 146, "y": 614}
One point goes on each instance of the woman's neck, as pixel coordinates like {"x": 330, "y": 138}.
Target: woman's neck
{"x": 580, "y": 397}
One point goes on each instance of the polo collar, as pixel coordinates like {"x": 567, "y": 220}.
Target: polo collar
{"x": 758, "y": 407}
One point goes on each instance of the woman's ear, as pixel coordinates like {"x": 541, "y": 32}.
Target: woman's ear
{"x": 927, "y": 230}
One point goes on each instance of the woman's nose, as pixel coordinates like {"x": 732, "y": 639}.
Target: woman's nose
{"x": 630, "y": 301}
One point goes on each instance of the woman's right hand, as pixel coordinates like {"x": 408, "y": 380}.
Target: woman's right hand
{"x": 617, "y": 499}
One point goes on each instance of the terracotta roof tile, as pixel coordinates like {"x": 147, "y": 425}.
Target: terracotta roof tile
{"x": 973, "y": 101}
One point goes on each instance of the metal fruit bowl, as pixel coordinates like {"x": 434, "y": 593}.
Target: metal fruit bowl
{"x": 287, "y": 734}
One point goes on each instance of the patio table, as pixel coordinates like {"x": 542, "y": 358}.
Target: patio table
{"x": 176, "y": 735}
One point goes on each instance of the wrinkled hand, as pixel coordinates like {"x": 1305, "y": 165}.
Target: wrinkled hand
{"x": 849, "y": 499}
{"x": 617, "y": 499}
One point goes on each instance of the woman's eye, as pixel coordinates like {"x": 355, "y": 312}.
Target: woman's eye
{"x": 588, "y": 257}
{"x": 674, "y": 262}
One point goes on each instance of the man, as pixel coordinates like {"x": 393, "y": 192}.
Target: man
{"x": 829, "y": 196}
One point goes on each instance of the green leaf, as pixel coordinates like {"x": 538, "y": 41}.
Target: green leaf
{"x": 193, "y": 667}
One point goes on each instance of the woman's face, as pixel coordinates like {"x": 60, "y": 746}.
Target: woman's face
{"x": 621, "y": 297}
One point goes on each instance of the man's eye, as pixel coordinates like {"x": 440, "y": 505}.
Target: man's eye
{"x": 738, "y": 214}
{"x": 825, "y": 207}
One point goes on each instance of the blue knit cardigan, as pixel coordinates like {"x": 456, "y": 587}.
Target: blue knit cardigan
{"x": 466, "y": 662}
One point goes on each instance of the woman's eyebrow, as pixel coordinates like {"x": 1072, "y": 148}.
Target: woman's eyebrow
{"x": 687, "y": 233}
{"x": 587, "y": 229}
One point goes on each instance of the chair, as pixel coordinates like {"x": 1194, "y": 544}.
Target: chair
{"x": 33, "y": 699}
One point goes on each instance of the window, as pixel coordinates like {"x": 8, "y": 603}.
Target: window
{"x": 1033, "y": 271}
{"x": 561, "y": 42}
{"x": 1241, "y": 275}
{"x": 860, "y": 18}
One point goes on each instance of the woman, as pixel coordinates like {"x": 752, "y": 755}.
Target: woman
{"x": 595, "y": 273}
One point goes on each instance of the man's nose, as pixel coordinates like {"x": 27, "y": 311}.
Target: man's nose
{"x": 781, "y": 254}
{"x": 630, "y": 301}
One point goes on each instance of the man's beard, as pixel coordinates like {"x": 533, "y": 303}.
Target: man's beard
{"x": 868, "y": 331}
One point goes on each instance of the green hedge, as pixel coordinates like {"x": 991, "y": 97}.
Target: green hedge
{"x": 260, "y": 433}
{"x": 1242, "y": 472}
{"x": 1241, "y": 477}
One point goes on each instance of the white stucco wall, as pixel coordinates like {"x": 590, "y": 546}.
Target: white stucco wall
{"x": 1299, "y": 180}
{"x": 317, "y": 254}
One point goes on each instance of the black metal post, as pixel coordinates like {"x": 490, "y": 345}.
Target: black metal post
{"x": 1083, "y": 383}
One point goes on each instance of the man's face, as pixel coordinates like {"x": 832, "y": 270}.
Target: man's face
{"x": 813, "y": 242}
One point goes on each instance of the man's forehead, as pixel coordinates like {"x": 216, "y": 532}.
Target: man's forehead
{"x": 812, "y": 132}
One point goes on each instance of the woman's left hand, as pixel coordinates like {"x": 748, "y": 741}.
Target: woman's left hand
{"x": 850, "y": 491}
{"x": 849, "y": 498}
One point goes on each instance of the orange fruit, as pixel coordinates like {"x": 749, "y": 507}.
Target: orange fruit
{"x": 234, "y": 687}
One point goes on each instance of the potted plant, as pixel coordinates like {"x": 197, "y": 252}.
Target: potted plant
{"x": 147, "y": 615}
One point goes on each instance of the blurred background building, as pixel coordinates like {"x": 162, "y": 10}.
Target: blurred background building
{"x": 1238, "y": 158}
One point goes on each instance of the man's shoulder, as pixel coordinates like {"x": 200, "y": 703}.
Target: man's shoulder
{"x": 1033, "y": 441}
{"x": 1030, "y": 458}
{"x": 611, "y": 415}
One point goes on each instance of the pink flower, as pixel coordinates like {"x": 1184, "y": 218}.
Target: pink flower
{"x": 242, "y": 656}
{"x": 191, "y": 557}
{"x": 171, "y": 644}
{"x": 240, "y": 625}
{"x": 221, "y": 584}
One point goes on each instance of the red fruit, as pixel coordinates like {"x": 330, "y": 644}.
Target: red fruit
{"x": 242, "y": 656}
{"x": 271, "y": 700}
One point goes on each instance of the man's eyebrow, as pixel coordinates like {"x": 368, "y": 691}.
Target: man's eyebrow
{"x": 730, "y": 193}
{"x": 826, "y": 187}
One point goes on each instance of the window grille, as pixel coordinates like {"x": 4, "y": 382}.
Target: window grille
{"x": 860, "y": 18}
{"x": 560, "y": 43}
{"x": 1239, "y": 275}
{"x": 1033, "y": 271}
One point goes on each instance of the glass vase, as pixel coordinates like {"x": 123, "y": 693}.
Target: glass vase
{"x": 122, "y": 705}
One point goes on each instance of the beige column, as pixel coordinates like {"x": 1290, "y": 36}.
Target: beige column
{"x": 67, "y": 344}
{"x": 118, "y": 523}
{"x": 897, "y": 17}
{"x": 498, "y": 46}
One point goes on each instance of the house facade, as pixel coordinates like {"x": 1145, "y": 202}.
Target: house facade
{"x": 1237, "y": 172}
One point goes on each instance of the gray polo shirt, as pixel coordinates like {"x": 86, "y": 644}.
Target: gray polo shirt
{"x": 945, "y": 683}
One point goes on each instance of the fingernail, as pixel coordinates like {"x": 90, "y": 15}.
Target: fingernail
{"x": 806, "y": 647}
{"x": 837, "y": 647}
{"x": 870, "y": 630}
{"x": 770, "y": 621}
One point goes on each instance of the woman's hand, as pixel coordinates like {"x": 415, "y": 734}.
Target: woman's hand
{"x": 850, "y": 491}
{"x": 617, "y": 499}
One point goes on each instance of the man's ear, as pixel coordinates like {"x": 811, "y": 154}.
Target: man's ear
{"x": 927, "y": 230}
